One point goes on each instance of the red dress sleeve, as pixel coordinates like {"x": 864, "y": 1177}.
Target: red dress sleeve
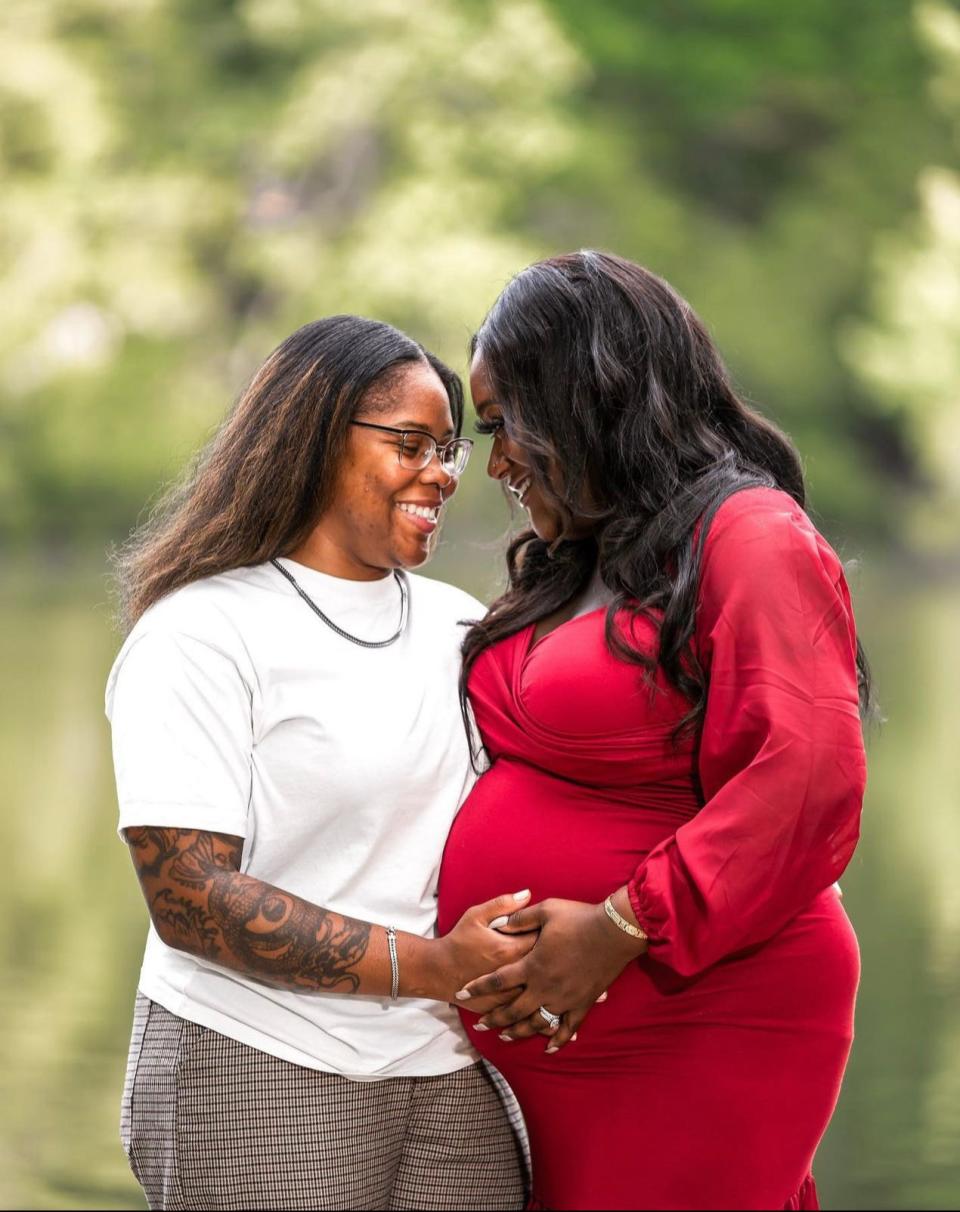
{"x": 781, "y": 758}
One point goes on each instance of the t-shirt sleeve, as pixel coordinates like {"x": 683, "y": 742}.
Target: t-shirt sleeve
{"x": 182, "y": 735}
{"x": 781, "y": 759}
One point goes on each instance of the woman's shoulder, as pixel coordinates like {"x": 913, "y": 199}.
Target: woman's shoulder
{"x": 204, "y": 617}
{"x": 755, "y": 512}
{"x": 754, "y": 523}
{"x": 763, "y": 537}
{"x": 446, "y": 601}
{"x": 210, "y": 609}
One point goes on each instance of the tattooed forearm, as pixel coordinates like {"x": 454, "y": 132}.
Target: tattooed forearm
{"x": 294, "y": 941}
{"x": 201, "y": 903}
{"x": 195, "y": 930}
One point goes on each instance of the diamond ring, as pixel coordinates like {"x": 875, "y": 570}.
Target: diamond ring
{"x": 552, "y": 1020}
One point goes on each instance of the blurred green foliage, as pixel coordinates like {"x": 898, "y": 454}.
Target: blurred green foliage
{"x": 186, "y": 183}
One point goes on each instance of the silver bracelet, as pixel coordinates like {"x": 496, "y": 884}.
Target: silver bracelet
{"x": 394, "y": 962}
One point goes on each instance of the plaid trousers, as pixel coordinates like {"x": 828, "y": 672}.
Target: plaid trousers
{"x": 209, "y": 1123}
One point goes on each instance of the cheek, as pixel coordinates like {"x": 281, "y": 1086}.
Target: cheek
{"x": 373, "y": 501}
{"x": 380, "y": 488}
{"x": 543, "y": 517}
{"x": 362, "y": 502}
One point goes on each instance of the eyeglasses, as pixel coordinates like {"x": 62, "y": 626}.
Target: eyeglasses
{"x": 417, "y": 448}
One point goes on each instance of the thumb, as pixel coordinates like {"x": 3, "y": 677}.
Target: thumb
{"x": 521, "y": 921}
{"x": 501, "y": 907}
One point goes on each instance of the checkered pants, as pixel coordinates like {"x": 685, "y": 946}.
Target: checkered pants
{"x": 211, "y": 1123}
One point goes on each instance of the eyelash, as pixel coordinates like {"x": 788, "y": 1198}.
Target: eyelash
{"x": 488, "y": 428}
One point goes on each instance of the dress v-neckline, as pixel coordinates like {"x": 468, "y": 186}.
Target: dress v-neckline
{"x": 533, "y": 642}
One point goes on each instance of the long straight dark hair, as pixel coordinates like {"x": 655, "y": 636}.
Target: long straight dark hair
{"x": 258, "y": 488}
{"x": 611, "y": 383}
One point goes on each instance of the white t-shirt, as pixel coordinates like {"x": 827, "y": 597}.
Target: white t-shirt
{"x": 236, "y": 710}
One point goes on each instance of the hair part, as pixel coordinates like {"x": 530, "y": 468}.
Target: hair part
{"x": 611, "y": 383}
{"x": 258, "y": 487}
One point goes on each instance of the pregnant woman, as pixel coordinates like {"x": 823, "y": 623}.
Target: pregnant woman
{"x": 669, "y": 696}
{"x": 289, "y": 756}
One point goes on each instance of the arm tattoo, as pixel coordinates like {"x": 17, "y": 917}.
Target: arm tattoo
{"x": 200, "y": 902}
{"x": 162, "y": 841}
{"x": 194, "y": 930}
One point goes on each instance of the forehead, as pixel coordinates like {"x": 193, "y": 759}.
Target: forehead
{"x": 481, "y": 384}
{"x": 413, "y": 396}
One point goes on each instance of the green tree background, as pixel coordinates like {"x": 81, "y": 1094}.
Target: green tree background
{"x": 184, "y": 182}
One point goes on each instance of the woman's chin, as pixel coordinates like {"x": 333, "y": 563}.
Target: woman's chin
{"x": 545, "y": 528}
{"x": 412, "y": 556}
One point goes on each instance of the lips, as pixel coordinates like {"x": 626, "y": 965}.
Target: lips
{"x": 422, "y": 514}
{"x": 520, "y": 488}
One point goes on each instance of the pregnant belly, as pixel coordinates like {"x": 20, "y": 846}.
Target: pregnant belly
{"x": 522, "y": 828}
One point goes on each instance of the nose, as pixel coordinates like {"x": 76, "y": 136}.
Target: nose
{"x": 498, "y": 465}
{"x": 436, "y": 473}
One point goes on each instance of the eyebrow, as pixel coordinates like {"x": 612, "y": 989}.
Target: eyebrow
{"x": 447, "y": 433}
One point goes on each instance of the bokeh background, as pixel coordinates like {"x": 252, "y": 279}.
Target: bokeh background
{"x": 186, "y": 182}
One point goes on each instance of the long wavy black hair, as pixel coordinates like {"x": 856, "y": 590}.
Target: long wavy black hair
{"x": 612, "y": 385}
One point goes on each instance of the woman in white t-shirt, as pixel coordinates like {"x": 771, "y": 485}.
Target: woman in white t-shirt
{"x": 289, "y": 755}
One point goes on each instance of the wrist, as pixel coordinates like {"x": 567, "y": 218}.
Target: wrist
{"x": 421, "y": 968}
{"x": 620, "y": 924}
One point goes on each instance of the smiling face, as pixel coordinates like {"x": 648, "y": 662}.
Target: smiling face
{"x": 382, "y": 515}
{"x": 511, "y": 465}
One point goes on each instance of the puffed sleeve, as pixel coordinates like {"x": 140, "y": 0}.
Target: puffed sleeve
{"x": 781, "y": 758}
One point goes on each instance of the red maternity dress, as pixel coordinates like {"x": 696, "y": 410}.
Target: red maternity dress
{"x": 709, "y": 1076}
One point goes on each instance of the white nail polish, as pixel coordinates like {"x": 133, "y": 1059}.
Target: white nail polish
{"x": 463, "y": 995}
{"x": 480, "y": 1027}
{"x": 498, "y": 922}
{"x": 521, "y": 896}
{"x": 507, "y": 1039}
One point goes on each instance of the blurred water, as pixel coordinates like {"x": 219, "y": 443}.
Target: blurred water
{"x": 72, "y": 920}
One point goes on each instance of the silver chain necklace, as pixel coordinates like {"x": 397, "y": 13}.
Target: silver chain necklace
{"x": 401, "y": 581}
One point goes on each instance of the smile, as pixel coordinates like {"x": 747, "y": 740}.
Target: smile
{"x": 424, "y": 517}
{"x": 520, "y": 490}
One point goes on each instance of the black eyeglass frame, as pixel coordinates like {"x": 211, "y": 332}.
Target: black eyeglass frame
{"x": 439, "y": 449}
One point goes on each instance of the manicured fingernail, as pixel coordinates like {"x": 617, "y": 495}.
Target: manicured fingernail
{"x": 573, "y": 1038}
{"x": 521, "y": 896}
{"x": 463, "y": 995}
{"x": 498, "y": 922}
{"x": 480, "y": 1027}
{"x": 507, "y": 1039}
{"x": 552, "y": 1048}
{"x": 602, "y": 998}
